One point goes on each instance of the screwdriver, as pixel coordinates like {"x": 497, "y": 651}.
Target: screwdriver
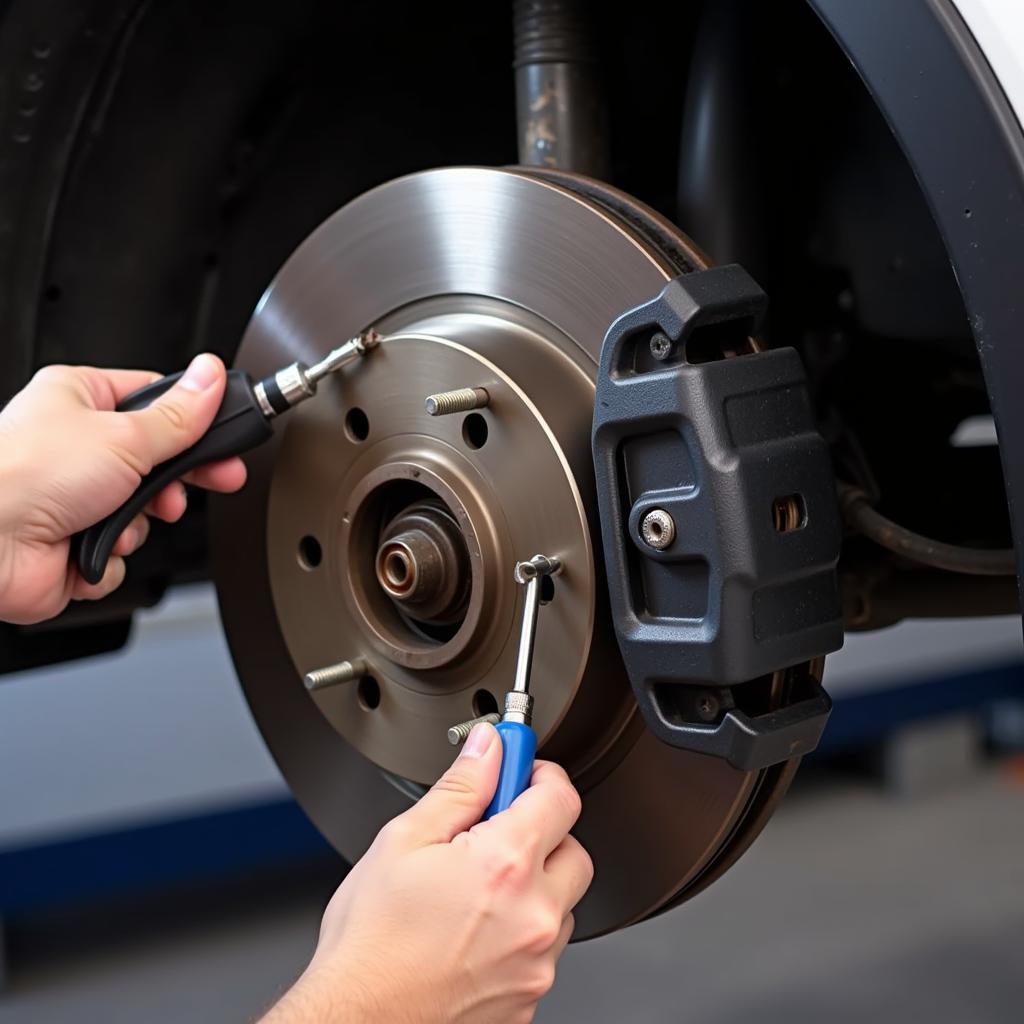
{"x": 243, "y": 422}
{"x": 518, "y": 740}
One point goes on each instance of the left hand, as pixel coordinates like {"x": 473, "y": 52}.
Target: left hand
{"x": 68, "y": 460}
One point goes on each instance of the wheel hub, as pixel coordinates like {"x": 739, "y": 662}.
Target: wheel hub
{"x": 419, "y": 521}
{"x": 478, "y": 279}
{"x": 423, "y": 566}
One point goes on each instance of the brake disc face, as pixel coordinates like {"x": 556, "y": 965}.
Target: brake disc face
{"x": 372, "y": 530}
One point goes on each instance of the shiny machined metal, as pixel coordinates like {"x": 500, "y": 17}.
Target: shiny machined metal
{"x": 519, "y": 703}
{"x": 658, "y": 529}
{"x": 297, "y": 381}
{"x": 353, "y": 349}
{"x": 518, "y": 707}
{"x": 334, "y": 675}
{"x": 461, "y": 400}
{"x": 260, "y": 391}
{"x": 294, "y": 383}
{"x": 539, "y": 565}
{"x": 510, "y": 277}
{"x": 459, "y": 733}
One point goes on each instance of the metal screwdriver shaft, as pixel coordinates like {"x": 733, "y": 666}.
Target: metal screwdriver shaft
{"x": 283, "y": 390}
{"x": 530, "y": 574}
{"x": 518, "y": 740}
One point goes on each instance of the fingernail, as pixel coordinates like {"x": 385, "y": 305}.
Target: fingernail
{"x": 479, "y": 741}
{"x": 201, "y": 373}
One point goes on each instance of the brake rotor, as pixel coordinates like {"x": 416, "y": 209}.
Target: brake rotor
{"x": 371, "y": 530}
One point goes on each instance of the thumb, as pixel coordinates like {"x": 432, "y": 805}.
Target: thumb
{"x": 180, "y": 416}
{"x": 458, "y": 799}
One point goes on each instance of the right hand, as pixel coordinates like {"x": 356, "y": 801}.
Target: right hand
{"x": 447, "y": 918}
{"x": 68, "y": 459}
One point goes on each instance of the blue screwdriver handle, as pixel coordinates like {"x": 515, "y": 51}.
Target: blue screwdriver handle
{"x": 518, "y": 747}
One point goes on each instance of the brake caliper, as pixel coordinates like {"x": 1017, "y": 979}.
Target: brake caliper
{"x": 719, "y": 522}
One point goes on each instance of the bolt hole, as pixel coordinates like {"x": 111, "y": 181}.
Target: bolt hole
{"x": 859, "y": 611}
{"x": 789, "y": 513}
{"x": 368, "y": 693}
{"x": 484, "y": 703}
{"x": 547, "y": 589}
{"x": 474, "y": 431}
{"x": 357, "y": 425}
{"x": 310, "y": 552}
{"x": 397, "y": 568}
{"x": 52, "y": 293}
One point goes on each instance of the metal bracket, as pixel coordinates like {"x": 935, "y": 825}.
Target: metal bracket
{"x": 729, "y": 452}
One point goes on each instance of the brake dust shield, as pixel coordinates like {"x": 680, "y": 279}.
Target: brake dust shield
{"x": 499, "y": 279}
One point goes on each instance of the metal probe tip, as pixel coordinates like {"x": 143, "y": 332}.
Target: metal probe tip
{"x": 539, "y": 565}
{"x": 367, "y": 340}
{"x": 353, "y": 349}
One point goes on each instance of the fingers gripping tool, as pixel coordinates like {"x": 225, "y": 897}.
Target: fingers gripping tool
{"x": 243, "y": 422}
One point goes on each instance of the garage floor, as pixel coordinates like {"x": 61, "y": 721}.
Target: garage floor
{"x": 853, "y": 906}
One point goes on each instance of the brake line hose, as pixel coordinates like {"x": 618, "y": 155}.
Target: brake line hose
{"x": 862, "y": 517}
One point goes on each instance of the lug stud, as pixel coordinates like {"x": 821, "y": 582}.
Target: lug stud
{"x": 458, "y": 733}
{"x": 461, "y": 400}
{"x": 333, "y": 675}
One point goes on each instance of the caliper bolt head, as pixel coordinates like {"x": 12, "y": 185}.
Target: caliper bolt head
{"x": 661, "y": 346}
{"x": 658, "y": 529}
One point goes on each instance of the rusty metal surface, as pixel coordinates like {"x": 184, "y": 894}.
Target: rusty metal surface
{"x": 481, "y": 278}
{"x": 561, "y": 115}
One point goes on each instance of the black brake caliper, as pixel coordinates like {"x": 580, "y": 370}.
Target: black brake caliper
{"x": 720, "y": 465}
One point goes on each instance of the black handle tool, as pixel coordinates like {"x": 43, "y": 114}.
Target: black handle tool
{"x": 241, "y": 423}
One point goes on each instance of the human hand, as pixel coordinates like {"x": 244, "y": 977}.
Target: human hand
{"x": 447, "y": 918}
{"x": 68, "y": 460}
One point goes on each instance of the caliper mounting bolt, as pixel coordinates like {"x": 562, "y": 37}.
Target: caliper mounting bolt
{"x": 658, "y": 529}
{"x": 707, "y": 707}
{"x": 661, "y": 346}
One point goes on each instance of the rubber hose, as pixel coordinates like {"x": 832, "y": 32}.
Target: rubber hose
{"x": 860, "y": 516}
